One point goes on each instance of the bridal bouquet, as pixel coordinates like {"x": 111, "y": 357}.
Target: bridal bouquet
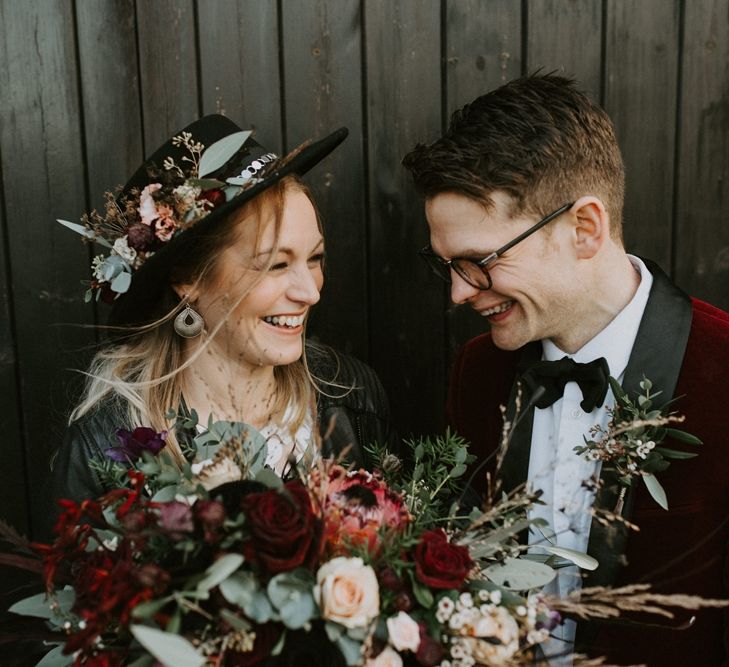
{"x": 222, "y": 562}
{"x": 332, "y": 566}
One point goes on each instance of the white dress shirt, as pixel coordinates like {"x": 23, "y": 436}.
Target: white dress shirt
{"x": 556, "y": 469}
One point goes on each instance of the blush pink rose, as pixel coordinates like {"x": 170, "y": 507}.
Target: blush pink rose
{"x": 147, "y": 207}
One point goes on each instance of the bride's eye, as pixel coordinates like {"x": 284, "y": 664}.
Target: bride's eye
{"x": 278, "y": 266}
{"x": 317, "y": 259}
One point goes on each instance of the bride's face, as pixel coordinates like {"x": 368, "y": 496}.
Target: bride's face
{"x": 281, "y": 282}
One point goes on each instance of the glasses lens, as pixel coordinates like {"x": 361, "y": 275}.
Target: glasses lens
{"x": 472, "y": 273}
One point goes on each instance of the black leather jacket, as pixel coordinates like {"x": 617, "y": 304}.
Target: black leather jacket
{"x": 358, "y": 417}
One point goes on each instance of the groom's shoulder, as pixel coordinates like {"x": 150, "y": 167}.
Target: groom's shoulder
{"x": 708, "y": 341}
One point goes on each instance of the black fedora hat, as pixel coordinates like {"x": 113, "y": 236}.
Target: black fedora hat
{"x": 178, "y": 195}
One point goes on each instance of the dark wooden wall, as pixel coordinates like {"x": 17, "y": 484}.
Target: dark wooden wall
{"x": 89, "y": 87}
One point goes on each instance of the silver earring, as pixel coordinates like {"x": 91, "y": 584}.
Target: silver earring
{"x": 189, "y": 323}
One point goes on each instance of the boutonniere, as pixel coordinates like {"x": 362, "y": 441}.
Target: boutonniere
{"x": 631, "y": 443}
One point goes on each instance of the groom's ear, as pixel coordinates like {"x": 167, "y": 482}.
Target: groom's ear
{"x": 591, "y": 226}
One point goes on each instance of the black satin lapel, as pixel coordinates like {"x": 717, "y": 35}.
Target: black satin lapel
{"x": 515, "y": 466}
{"x": 662, "y": 338}
{"x": 658, "y": 355}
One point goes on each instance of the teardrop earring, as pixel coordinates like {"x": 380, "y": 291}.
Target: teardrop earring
{"x": 189, "y": 323}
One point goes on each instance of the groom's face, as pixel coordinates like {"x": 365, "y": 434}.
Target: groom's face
{"x": 532, "y": 282}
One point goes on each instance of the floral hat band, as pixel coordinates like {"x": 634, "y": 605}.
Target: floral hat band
{"x": 196, "y": 178}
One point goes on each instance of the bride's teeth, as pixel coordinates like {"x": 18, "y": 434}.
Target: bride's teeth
{"x": 290, "y": 321}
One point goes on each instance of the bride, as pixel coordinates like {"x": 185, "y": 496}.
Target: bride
{"x": 215, "y": 256}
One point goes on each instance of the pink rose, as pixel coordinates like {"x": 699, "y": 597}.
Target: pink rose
{"x": 147, "y": 207}
{"x": 386, "y": 658}
{"x": 347, "y": 592}
{"x": 403, "y": 632}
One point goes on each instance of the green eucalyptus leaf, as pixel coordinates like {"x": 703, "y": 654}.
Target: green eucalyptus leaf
{"x": 220, "y": 152}
{"x": 85, "y": 231}
{"x": 675, "y": 453}
{"x": 654, "y": 462}
{"x": 656, "y": 490}
{"x": 682, "y": 436}
{"x": 166, "y": 494}
{"x": 171, "y": 650}
{"x": 150, "y": 608}
{"x": 269, "y": 478}
{"x": 220, "y": 570}
{"x": 520, "y": 575}
{"x": 461, "y": 455}
{"x": 351, "y": 649}
{"x": 577, "y": 557}
{"x": 457, "y": 470}
{"x": 291, "y": 593}
{"x": 243, "y": 590}
{"x": 334, "y": 630}
{"x": 175, "y": 623}
{"x": 121, "y": 283}
{"x": 422, "y": 593}
{"x": 206, "y": 183}
{"x": 39, "y": 606}
{"x": 55, "y": 658}
{"x": 235, "y": 622}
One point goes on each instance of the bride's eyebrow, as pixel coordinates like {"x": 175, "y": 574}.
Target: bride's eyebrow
{"x": 286, "y": 251}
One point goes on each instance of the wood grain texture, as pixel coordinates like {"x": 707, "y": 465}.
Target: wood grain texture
{"x": 13, "y": 491}
{"x": 566, "y": 36}
{"x": 167, "y": 63}
{"x": 407, "y": 339}
{"x": 701, "y": 244}
{"x": 43, "y": 178}
{"x": 109, "y": 93}
{"x": 640, "y": 96}
{"x": 239, "y": 65}
{"x": 323, "y": 91}
{"x": 484, "y": 51}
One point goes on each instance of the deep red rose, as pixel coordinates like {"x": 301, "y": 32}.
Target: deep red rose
{"x": 440, "y": 563}
{"x": 389, "y": 580}
{"x": 284, "y": 533}
{"x": 215, "y": 197}
{"x": 430, "y": 652}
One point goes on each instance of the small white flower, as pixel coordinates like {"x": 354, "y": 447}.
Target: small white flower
{"x": 121, "y": 248}
{"x": 446, "y": 606}
{"x": 197, "y": 468}
{"x": 521, "y": 610}
{"x": 456, "y": 621}
{"x": 495, "y": 597}
{"x": 97, "y": 267}
{"x": 484, "y": 595}
{"x": 112, "y": 543}
{"x": 465, "y": 600}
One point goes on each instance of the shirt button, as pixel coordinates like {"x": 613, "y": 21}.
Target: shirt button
{"x": 576, "y": 413}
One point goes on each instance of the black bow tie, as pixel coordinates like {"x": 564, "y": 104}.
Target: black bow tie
{"x": 554, "y": 375}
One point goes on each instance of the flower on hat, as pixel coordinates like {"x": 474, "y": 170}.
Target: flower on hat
{"x": 136, "y": 225}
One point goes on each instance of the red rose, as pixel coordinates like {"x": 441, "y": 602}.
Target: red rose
{"x": 440, "y": 563}
{"x": 215, "y": 197}
{"x": 284, "y": 531}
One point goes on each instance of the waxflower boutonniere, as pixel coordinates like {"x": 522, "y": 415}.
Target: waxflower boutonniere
{"x": 631, "y": 443}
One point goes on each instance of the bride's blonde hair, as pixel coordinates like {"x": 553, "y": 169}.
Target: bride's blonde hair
{"x": 140, "y": 375}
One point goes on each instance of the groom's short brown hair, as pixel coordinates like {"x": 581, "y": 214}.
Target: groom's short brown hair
{"x": 537, "y": 138}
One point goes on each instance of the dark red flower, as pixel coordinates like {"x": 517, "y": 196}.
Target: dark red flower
{"x": 141, "y": 237}
{"x": 403, "y": 601}
{"x": 440, "y": 563}
{"x": 266, "y": 638}
{"x": 132, "y": 444}
{"x": 210, "y": 515}
{"x": 430, "y": 652}
{"x": 175, "y": 519}
{"x": 215, "y": 197}
{"x": 284, "y": 533}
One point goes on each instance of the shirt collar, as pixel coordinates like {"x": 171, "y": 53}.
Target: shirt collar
{"x": 615, "y": 341}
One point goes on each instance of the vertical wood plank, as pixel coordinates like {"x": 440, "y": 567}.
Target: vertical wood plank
{"x": 167, "y": 63}
{"x": 702, "y": 225}
{"x": 483, "y": 39}
{"x": 323, "y": 91}
{"x": 13, "y": 490}
{"x": 403, "y": 108}
{"x": 640, "y": 96}
{"x": 239, "y": 65}
{"x": 42, "y": 166}
{"x": 566, "y": 35}
{"x": 109, "y": 93}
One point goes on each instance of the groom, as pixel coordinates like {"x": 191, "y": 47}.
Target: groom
{"x": 524, "y": 197}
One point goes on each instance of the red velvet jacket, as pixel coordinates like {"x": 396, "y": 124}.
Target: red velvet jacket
{"x": 682, "y": 344}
